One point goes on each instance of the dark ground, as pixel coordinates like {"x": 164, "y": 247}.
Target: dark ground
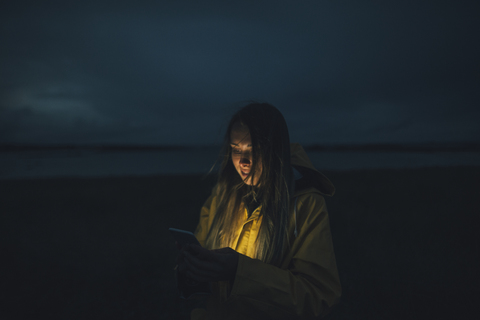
{"x": 407, "y": 244}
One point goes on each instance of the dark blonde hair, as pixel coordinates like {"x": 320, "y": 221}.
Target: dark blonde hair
{"x": 271, "y": 149}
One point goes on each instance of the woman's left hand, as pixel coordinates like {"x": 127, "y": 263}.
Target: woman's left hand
{"x": 205, "y": 265}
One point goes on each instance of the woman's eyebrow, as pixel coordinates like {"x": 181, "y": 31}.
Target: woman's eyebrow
{"x": 236, "y": 145}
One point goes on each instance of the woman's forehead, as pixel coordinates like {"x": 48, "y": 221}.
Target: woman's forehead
{"x": 240, "y": 135}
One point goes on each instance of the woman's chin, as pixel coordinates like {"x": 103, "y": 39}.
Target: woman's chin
{"x": 247, "y": 180}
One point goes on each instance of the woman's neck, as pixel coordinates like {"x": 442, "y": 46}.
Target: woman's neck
{"x": 252, "y": 201}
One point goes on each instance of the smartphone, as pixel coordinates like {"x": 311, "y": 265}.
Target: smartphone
{"x": 183, "y": 237}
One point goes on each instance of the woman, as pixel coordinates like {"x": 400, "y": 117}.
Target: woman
{"x": 266, "y": 244}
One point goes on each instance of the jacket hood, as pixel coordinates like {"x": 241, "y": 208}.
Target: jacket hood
{"x": 309, "y": 176}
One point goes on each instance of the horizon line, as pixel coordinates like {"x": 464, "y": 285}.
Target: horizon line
{"x": 360, "y": 147}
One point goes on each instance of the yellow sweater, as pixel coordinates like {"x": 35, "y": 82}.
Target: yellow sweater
{"x": 305, "y": 285}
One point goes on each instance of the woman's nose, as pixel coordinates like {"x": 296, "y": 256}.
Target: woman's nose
{"x": 244, "y": 161}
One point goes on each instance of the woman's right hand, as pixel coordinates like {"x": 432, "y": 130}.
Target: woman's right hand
{"x": 182, "y": 267}
{"x": 204, "y": 265}
{"x": 180, "y": 260}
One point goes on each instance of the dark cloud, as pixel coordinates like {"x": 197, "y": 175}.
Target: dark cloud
{"x": 342, "y": 72}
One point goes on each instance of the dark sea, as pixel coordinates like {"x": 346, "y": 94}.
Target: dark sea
{"x": 78, "y": 162}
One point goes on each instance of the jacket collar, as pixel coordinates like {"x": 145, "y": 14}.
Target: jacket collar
{"x": 307, "y": 177}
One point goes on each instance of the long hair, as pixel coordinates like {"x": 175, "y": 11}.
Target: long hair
{"x": 271, "y": 149}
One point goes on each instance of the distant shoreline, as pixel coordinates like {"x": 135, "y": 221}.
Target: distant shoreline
{"x": 420, "y": 147}
{"x": 428, "y": 148}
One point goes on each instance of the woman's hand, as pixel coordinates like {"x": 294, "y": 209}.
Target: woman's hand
{"x": 204, "y": 265}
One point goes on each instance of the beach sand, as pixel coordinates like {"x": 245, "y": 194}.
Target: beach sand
{"x": 406, "y": 241}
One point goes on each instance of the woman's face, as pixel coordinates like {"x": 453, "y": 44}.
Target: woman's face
{"x": 241, "y": 144}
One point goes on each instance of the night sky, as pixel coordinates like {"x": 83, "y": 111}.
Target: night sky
{"x": 173, "y": 72}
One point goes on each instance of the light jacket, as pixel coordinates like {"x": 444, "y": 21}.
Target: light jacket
{"x": 306, "y": 284}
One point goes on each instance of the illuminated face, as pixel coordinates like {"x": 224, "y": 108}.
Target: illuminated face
{"x": 241, "y": 144}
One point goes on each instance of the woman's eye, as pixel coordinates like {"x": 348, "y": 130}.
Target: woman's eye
{"x": 236, "y": 151}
